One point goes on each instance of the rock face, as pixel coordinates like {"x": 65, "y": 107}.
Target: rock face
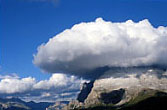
{"x": 125, "y": 88}
{"x": 86, "y": 89}
{"x": 113, "y": 97}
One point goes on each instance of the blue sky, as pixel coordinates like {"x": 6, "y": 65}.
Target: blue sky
{"x": 26, "y": 24}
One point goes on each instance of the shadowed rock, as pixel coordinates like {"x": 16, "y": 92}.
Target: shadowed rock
{"x": 86, "y": 89}
{"x": 112, "y": 97}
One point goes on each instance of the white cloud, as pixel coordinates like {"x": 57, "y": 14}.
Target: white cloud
{"x": 45, "y": 94}
{"x": 29, "y": 88}
{"x": 11, "y": 76}
{"x": 87, "y": 46}
{"x": 59, "y": 81}
{"x": 13, "y": 85}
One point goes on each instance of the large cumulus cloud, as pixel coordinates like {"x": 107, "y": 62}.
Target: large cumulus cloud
{"x": 91, "y": 45}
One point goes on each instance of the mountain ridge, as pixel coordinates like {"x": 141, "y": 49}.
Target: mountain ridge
{"x": 123, "y": 89}
{"x": 18, "y": 104}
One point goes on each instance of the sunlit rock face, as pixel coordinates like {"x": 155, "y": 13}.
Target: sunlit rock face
{"x": 124, "y": 86}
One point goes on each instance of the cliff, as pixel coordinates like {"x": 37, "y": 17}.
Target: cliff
{"x": 120, "y": 89}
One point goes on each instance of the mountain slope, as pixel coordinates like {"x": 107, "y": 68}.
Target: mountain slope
{"x": 125, "y": 89}
{"x": 17, "y": 104}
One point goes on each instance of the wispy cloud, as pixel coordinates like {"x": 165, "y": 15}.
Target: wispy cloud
{"x": 11, "y": 76}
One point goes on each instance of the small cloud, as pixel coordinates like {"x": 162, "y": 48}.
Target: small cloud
{"x": 45, "y": 94}
{"x": 10, "y": 76}
{"x": 11, "y": 85}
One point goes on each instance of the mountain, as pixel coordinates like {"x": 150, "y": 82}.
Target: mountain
{"x": 58, "y": 105}
{"x": 132, "y": 89}
{"x": 86, "y": 89}
{"x": 18, "y": 104}
{"x": 38, "y": 106}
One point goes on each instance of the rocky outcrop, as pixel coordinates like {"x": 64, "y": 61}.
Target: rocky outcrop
{"x": 58, "y": 105}
{"x": 123, "y": 88}
{"x": 85, "y": 90}
{"x": 112, "y": 97}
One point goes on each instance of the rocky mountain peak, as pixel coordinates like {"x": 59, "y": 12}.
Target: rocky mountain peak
{"x": 117, "y": 88}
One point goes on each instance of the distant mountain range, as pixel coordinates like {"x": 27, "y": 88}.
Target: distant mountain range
{"x": 134, "y": 89}
{"x": 18, "y": 104}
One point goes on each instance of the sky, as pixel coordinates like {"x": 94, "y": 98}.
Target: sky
{"x": 26, "y": 24}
